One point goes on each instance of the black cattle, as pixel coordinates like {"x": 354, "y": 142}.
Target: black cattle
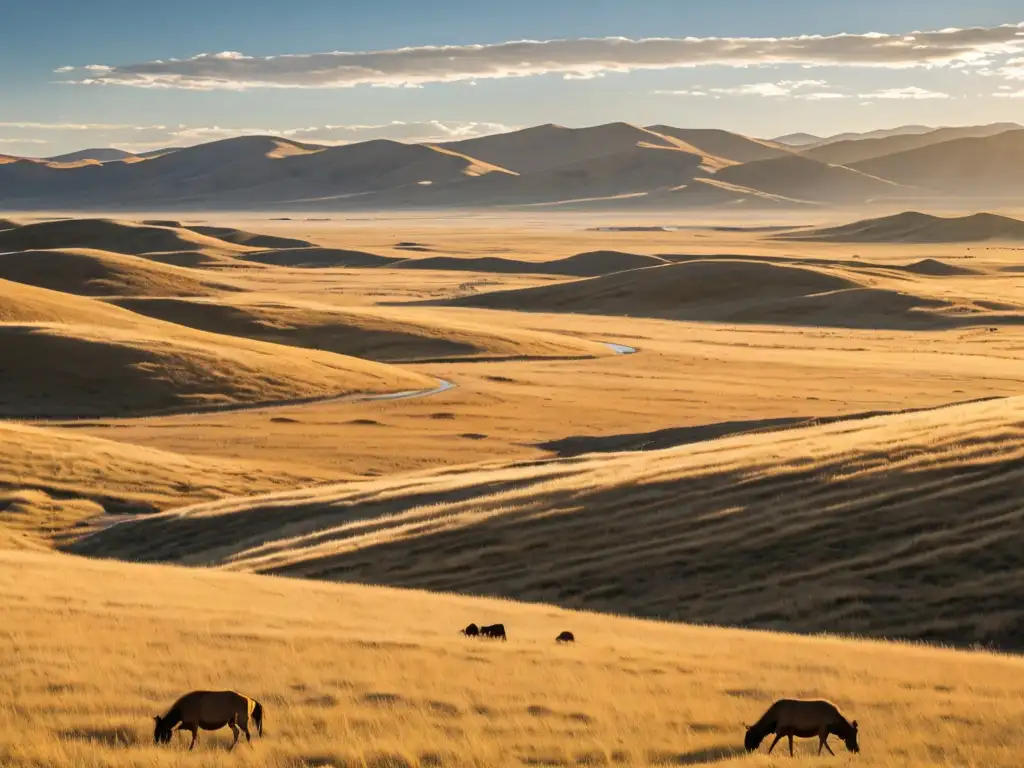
{"x": 566, "y": 637}
{"x": 471, "y": 631}
{"x": 494, "y": 630}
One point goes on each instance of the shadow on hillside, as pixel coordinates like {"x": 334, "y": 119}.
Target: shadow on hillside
{"x": 705, "y": 756}
{"x": 904, "y": 540}
{"x": 111, "y": 737}
{"x": 671, "y": 437}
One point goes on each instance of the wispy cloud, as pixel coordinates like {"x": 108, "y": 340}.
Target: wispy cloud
{"x": 577, "y": 58}
{"x": 910, "y": 92}
{"x": 800, "y": 89}
{"x": 1009, "y": 94}
{"x": 78, "y": 126}
{"x": 781, "y": 89}
{"x": 6, "y": 140}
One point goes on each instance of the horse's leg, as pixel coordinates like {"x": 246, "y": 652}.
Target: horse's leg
{"x": 777, "y": 737}
{"x": 823, "y": 741}
{"x": 195, "y": 735}
{"x": 791, "y": 745}
{"x": 234, "y": 731}
{"x": 243, "y": 723}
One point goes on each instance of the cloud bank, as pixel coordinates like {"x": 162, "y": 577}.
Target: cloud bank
{"x": 808, "y": 90}
{"x": 575, "y": 58}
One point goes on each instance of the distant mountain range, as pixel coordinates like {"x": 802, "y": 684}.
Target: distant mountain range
{"x": 616, "y": 165}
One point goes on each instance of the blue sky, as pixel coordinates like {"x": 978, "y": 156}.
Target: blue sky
{"x": 137, "y": 96}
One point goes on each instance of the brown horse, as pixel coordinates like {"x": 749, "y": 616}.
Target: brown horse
{"x": 210, "y": 710}
{"x": 804, "y": 719}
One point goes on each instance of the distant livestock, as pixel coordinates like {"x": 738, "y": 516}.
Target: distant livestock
{"x": 566, "y": 637}
{"x": 494, "y": 631}
{"x": 805, "y": 720}
{"x": 211, "y": 711}
{"x": 471, "y": 631}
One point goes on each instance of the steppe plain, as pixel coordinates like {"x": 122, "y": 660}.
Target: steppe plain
{"x": 629, "y": 434}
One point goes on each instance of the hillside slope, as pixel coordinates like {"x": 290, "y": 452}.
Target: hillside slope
{"x": 906, "y": 525}
{"x": 724, "y": 144}
{"x": 127, "y": 237}
{"x": 67, "y": 356}
{"x": 545, "y": 147}
{"x": 857, "y": 150}
{"x": 353, "y": 675}
{"x": 737, "y": 289}
{"x": 805, "y": 179}
{"x": 983, "y": 167}
{"x": 242, "y": 171}
{"x": 91, "y": 272}
{"x": 915, "y": 227}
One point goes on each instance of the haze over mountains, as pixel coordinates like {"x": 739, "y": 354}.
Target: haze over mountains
{"x": 616, "y": 164}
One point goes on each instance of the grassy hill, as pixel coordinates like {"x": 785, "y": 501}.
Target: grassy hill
{"x": 822, "y": 528}
{"x": 92, "y": 272}
{"x": 915, "y": 227}
{"x": 352, "y": 675}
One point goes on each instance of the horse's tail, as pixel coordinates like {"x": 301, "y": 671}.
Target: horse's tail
{"x": 257, "y": 716}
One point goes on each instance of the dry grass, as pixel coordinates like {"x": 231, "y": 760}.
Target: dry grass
{"x": 90, "y": 272}
{"x": 355, "y": 676}
{"x": 64, "y": 464}
{"x": 897, "y": 525}
{"x": 389, "y": 334}
{"x": 905, "y": 526}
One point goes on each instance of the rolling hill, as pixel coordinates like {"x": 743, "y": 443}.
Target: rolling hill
{"x": 724, "y": 144}
{"x": 68, "y": 357}
{"x": 374, "y": 333}
{"x": 541, "y": 165}
{"x": 356, "y": 675}
{"x": 97, "y": 154}
{"x": 805, "y": 179}
{"x": 845, "y": 515}
{"x": 61, "y": 481}
{"x": 91, "y": 272}
{"x": 546, "y": 147}
{"x": 915, "y": 227}
{"x": 799, "y": 139}
{"x": 971, "y": 167}
{"x": 588, "y": 264}
{"x": 243, "y": 171}
{"x": 173, "y": 245}
{"x": 852, "y": 151}
{"x": 735, "y": 289}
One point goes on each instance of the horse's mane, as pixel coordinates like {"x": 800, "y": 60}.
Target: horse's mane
{"x": 767, "y": 722}
{"x": 845, "y": 727}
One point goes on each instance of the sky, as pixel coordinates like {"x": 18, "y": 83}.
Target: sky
{"x": 145, "y": 75}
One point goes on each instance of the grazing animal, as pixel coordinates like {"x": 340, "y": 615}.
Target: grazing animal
{"x": 471, "y": 631}
{"x": 494, "y": 630}
{"x": 566, "y": 637}
{"x": 210, "y": 710}
{"x": 804, "y": 719}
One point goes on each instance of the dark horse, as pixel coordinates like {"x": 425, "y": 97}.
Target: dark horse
{"x": 566, "y": 637}
{"x": 494, "y": 631}
{"x": 804, "y": 719}
{"x": 210, "y": 710}
{"x": 471, "y": 630}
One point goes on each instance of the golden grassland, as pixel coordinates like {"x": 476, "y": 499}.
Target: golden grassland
{"x": 355, "y": 676}
{"x": 749, "y": 465}
{"x": 896, "y": 526}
